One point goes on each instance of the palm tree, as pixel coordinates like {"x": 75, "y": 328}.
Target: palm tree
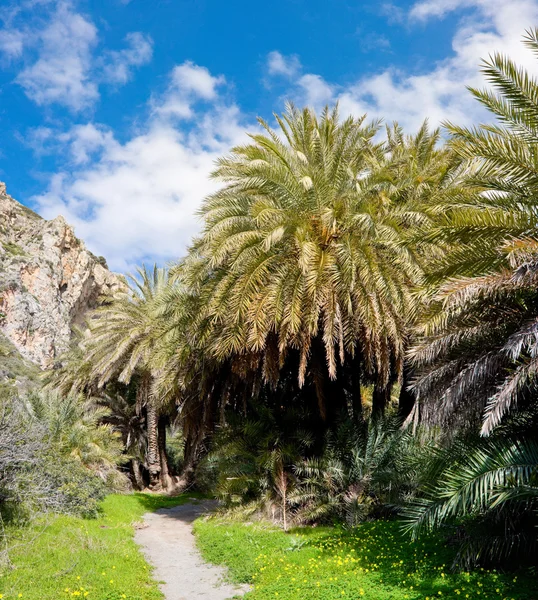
{"x": 296, "y": 260}
{"x": 124, "y": 335}
{"x": 480, "y": 345}
{"x": 498, "y": 222}
{"x": 123, "y": 415}
{"x": 478, "y": 360}
{"x": 416, "y": 176}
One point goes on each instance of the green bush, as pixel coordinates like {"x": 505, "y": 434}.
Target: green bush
{"x": 77, "y": 490}
{"x": 483, "y": 493}
{"x": 54, "y": 457}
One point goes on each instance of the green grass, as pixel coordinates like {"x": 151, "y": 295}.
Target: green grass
{"x": 13, "y": 249}
{"x": 68, "y": 557}
{"x": 372, "y": 561}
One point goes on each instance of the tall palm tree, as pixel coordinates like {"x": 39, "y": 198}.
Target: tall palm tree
{"x": 296, "y": 258}
{"x": 480, "y": 346}
{"x": 416, "y": 176}
{"x": 124, "y": 335}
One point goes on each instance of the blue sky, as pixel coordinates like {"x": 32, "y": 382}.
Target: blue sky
{"x": 112, "y": 112}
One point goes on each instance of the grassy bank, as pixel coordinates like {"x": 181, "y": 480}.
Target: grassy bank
{"x": 372, "y": 561}
{"x": 97, "y": 559}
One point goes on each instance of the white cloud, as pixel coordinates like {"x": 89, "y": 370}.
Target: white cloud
{"x": 440, "y": 94}
{"x": 61, "y": 74}
{"x": 188, "y": 83}
{"x": 278, "y": 64}
{"x": 78, "y": 145}
{"x": 192, "y": 79}
{"x": 136, "y": 201}
{"x": 84, "y": 141}
{"x": 62, "y": 61}
{"x": 439, "y": 8}
{"x": 119, "y": 63}
{"x": 316, "y": 92}
{"x": 11, "y": 43}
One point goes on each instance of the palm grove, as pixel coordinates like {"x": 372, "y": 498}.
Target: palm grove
{"x": 352, "y": 335}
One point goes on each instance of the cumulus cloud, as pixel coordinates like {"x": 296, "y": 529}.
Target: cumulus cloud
{"x": 62, "y": 61}
{"x": 278, "y": 64}
{"x": 85, "y": 141}
{"x": 136, "y": 201}
{"x": 440, "y": 93}
{"x": 118, "y": 64}
{"x": 188, "y": 83}
{"x": 315, "y": 91}
{"x": 61, "y": 72}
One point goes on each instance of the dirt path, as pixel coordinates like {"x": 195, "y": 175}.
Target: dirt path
{"x": 168, "y": 544}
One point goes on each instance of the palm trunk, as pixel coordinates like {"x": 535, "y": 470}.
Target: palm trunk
{"x": 356, "y": 395}
{"x": 406, "y": 401}
{"x": 380, "y": 399}
{"x": 282, "y": 485}
{"x": 154, "y": 463}
{"x": 166, "y": 480}
{"x": 136, "y": 472}
{"x": 152, "y": 451}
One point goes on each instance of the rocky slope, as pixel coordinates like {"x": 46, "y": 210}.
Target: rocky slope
{"x": 48, "y": 282}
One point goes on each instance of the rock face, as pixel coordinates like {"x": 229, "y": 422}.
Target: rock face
{"x": 48, "y": 282}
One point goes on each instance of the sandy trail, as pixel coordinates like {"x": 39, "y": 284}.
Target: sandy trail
{"x": 168, "y": 544}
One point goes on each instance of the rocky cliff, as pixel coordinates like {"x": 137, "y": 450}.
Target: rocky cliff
{"x": 48, "y": 282}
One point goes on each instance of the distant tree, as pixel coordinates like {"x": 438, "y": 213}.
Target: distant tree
{"x": 122, "y": 346}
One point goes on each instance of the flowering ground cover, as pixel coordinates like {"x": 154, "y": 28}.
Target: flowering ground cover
{"x": 94, "y": 559}
{"x": 373, "y": 561}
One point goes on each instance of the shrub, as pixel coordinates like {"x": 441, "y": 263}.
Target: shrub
{"x": 484, "y": 493}
{"x": 367, "y": 470}
{"x": 54, "y": 457}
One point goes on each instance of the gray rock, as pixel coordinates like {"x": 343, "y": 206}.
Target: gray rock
{"x": 48, "y": 282}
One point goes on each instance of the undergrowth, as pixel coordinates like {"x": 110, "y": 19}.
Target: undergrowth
{"x": 374, "y": 560}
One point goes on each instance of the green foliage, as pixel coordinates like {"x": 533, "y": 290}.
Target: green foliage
{"x": 479, "y": 359}
{"x": 374, "y": 560}
{"x": 480, "y": 350}
{"x": 270, "y": 460}
{"x": 486, "y": 490}
{"x": 74, "y": 427}
{"x": 76, "y": 491}
{"x": 367, "y": 469}
{"x": 13, "y": 249}
{"x": 54, "y": 457}
{"x": 254, "y": 457}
